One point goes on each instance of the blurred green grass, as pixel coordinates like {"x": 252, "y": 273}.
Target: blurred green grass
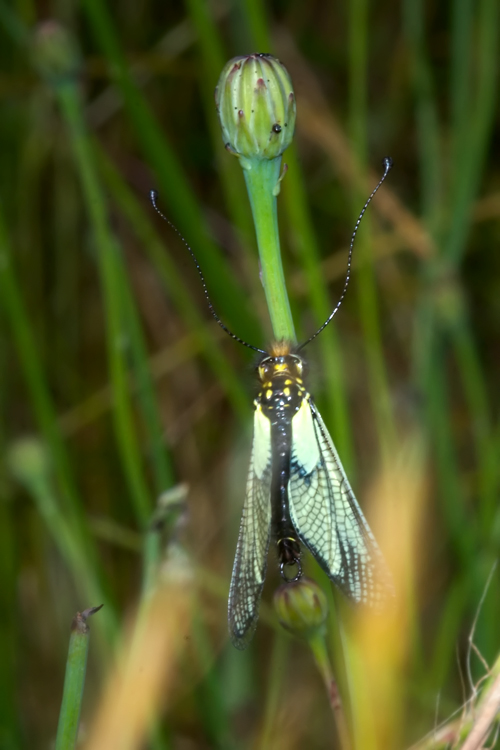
{"x": 95, "y": 294}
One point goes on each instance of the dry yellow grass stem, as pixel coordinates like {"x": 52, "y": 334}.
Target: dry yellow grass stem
{"x": 382, "y": 640}
{"x": 141, "y": 685}
{"x": 490, "y": 707}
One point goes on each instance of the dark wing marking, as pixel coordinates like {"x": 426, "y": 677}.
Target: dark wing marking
{"x": 327, "y": 517}
{"x": 249, "y": 570}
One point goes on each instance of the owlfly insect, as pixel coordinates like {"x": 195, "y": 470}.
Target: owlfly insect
{"x": 297, "y": 492}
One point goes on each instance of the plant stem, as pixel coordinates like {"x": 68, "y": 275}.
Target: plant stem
{"x": 74, "y": 681}
{"x": 23, "y": 337}
{"x": 318, "y": 647}
{"x": 106, "y": 246}
{"x": 262, "y": 180}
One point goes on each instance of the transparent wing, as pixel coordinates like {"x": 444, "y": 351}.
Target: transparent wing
{"x": 249, "y": 570}
{"x": 326, "y": 515}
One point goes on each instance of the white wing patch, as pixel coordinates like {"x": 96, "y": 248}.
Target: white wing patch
{"x": 304, "y": 441}
{"x": 249, "y": 570}
{"x": 326, "y": 515}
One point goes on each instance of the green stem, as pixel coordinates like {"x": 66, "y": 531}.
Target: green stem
{"x": 320, "y": 653}
{"x": 74, "y": 681}
{"x": 367, "y": 284}
{"x": 106, "y": 245}
{"x": 71, "y": 108}
{"x": 262, "y": 180}
{"x": 22, "y": 334}
{"x": 75, "y": 539}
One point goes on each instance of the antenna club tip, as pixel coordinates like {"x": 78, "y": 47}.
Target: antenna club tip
{"x": 153, "y": 194}
{"x": 388, "y": 163}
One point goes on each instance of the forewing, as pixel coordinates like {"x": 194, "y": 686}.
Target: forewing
{"x": 326, "y": 515}
{"x": 249, "y": 570}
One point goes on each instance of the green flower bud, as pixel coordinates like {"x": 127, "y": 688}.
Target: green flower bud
{"x": 55, "y": 53}
{"x": 302, "y": 607}
{"x": 256, "y": 106}
{"x": 28, "y": 460}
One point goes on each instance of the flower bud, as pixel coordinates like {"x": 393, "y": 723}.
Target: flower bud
{"x": 55, "y": 53}
{"x": 302, "y": 607}
{"x": 256, "y": 106}
{"x": 28, "y": 461}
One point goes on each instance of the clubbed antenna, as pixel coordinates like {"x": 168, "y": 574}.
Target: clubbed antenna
{"x": 387, "y": 167}
{"x": 154, "y": 196}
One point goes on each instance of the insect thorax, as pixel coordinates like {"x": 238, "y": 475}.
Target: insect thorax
{"x": 282, "y": 390}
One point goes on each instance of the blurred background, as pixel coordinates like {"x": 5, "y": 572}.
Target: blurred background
{"x": 126, "y": 412}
